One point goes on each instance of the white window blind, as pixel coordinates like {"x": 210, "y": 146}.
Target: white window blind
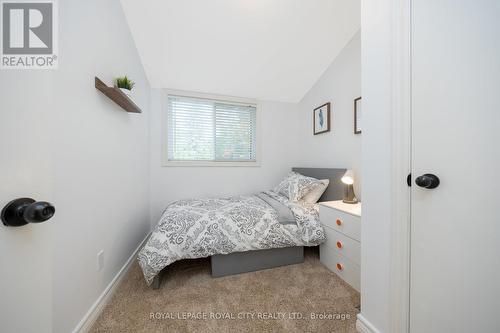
{"x": 210, "y": 130}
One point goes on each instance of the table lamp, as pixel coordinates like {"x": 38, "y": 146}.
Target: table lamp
{"x": 348, "y": 180}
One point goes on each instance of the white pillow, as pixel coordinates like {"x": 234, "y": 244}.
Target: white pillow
{"x": 295, "y": 186}
{"x": 316, "y": 193}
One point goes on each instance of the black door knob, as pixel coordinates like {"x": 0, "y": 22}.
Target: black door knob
{"x": 427, "y": 181}
{"x": 39, "y": 211}
{"x": 26, "y": 210}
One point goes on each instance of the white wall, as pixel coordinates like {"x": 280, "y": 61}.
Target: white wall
{"x": 377, "y": 161}
{"x": 101, "y": 157}
{"x": 278, "y": 152}
{"x": 340, "y": 84}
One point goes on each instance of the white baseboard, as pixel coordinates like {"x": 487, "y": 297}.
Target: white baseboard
{"x": 95, "y": 310}
{"x": 364, "y": 326}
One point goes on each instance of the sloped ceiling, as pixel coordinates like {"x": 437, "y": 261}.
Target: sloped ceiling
{"x": 263, "y": 49}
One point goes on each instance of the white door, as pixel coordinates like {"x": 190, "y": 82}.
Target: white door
{"x": 25, "y": 171}
{"x": 455, "y": 227}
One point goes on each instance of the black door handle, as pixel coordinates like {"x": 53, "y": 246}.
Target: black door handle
{"x": 427, "y": 181}
{"x": 26, "y": 210}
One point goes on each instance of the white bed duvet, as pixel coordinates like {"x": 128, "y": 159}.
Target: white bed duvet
{"x": 199, "y": 228}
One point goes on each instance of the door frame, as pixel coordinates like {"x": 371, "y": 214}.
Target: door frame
{"x": 401, "y": 152}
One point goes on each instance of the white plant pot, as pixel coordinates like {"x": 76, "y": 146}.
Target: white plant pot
{"x": 126, "y": 92}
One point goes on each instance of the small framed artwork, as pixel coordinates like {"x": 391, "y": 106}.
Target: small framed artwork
{"x": 358, "y": 114}
{"x": 321, "y": 119}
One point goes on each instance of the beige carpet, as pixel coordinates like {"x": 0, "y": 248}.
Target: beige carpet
{"x": 273, "y": 300}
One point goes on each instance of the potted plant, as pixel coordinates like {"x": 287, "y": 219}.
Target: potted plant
{"x": 125, "y": 85}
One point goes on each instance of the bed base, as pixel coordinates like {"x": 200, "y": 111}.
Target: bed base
{"x": 242, "y": 262}
{"x": 250, "y": 261}
{"x": 157, "y": 280}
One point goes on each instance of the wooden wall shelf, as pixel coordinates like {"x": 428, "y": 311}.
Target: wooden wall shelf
{"x": 117, "y": 96}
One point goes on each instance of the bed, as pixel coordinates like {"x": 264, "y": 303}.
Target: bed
{"x": 240, "y": 234}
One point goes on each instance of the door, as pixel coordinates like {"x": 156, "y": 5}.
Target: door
{"x": 455, "y": 227}
{"x": 25, "y": 171}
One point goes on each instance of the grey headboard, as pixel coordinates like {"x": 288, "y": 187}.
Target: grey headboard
{"x": 335, "y": 190}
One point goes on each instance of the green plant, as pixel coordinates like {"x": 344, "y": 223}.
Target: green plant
{"x": 125, "y": 83}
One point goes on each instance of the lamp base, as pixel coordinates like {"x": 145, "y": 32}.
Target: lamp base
{"x": 349, "y": 196}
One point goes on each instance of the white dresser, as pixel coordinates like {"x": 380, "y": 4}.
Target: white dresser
{"x": 341, "y": 252}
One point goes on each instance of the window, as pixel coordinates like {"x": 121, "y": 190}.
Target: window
{"x": 210, "y": 130}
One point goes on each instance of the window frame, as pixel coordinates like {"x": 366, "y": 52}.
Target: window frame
{"x": 224, "y": 99}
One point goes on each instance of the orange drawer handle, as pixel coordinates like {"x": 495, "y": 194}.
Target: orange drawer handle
{"x": 339, "y": 222}
{"x": 339, "y": 244}
{"x": 340, "y": 266}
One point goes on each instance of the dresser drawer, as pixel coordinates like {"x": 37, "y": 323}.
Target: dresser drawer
{"x": 343, "y": 267}
{"x": 347, "y": 224}
{"x": 344, "y": 245}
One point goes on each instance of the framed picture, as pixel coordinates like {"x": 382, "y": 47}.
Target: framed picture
{"x": 321, "y": 119}
{"x": 358, "y": 113}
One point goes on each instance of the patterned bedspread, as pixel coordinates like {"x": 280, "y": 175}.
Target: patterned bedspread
{"x": 199, "y": 228}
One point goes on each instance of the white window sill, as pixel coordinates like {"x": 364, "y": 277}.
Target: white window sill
{"x": 209, "y": 164}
